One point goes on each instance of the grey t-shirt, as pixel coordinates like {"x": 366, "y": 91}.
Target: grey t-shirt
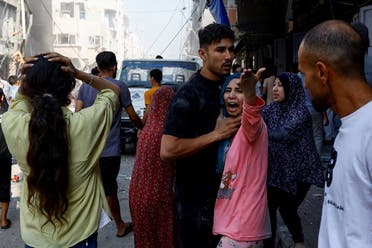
{"x": 88, "y": 94}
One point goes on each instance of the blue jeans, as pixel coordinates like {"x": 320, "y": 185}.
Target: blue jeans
{"x": 90, "y": 242}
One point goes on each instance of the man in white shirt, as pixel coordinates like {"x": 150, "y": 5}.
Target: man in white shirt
{"x": 5, "y": 91}
{"x": 331, "y": 58}
{"x": 13, "y": 87}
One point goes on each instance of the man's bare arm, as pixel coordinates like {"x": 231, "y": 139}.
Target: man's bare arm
{"x": 173, "y": 147}
{"x": 78, "y": 105}
{"x": 134, "y": 117}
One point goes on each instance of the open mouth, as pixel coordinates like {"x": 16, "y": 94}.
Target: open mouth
{"x": 233, "y": 108}
{"x": 232, "y": 105}
{"x": 227, "y": 66}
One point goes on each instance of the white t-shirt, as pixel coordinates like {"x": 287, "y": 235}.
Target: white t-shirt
{"x": 347, "y": 208}
{"x": 13, "y": 91}
{"x": 6, "y": 89}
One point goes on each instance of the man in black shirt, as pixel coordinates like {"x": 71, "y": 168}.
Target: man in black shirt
{"x": 191, "y": 133}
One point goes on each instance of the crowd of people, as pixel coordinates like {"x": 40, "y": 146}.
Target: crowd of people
{"x": 215, "y": 160}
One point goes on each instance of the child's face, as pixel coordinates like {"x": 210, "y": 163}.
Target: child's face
{"x": 234, "y": 98}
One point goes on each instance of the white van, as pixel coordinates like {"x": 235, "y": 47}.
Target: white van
{"x": 136, "y": 74}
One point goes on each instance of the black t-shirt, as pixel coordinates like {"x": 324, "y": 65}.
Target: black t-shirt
{"x": 193, "y": 112}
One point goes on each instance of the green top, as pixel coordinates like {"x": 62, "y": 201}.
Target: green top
{"x": 87, "y": 132}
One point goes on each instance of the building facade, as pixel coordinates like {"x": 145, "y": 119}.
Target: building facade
{"x": 15, "y": 23}
{"x": 269, "y": 32}
{"x": 81, "y": 29}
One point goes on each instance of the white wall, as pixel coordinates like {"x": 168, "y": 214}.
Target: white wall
{"x": 94, "y": 26}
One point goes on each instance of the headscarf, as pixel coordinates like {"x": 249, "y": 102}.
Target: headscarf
{"x": 224, "y": 144}
{"x": 292, "y": 153}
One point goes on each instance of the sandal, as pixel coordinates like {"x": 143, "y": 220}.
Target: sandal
{"x": 8, "y": 224}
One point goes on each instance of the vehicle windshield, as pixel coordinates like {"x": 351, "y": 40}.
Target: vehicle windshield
{"x": 137, "y": 73}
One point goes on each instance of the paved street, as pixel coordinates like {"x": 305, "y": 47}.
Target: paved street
{"x": 11, "y": 238}
{"x": 310, "y": 212}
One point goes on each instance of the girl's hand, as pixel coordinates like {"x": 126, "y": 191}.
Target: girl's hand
{"x": 28, "y": 63}
{"x": 248, "y": 79}
{"x": 52, "y": 57}
{"x": 56, "y": 57}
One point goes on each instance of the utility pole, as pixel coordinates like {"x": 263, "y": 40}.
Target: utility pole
{"x": 192, "y": 39}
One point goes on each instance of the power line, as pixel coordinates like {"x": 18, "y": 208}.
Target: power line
{"x": 178, "y": 32}
{"x": 154, "y": 12}
{"x": 161, "y": 32}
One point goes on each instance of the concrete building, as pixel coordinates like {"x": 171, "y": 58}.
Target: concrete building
{"x": 269, "y": 31}
{"x": 78, "y": 29}
{"x": 201, "y": 17}
{"x": 81, "y": 29}
{"x": 273, "y": 29}
{"x": 15, "y": 22}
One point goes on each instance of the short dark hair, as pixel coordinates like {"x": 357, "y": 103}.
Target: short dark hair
{"x": 157, "y": 75}
{"x": 106, "y": 60}
{"x": 338, "y": 44}
{"x": 12, "y": 79}
{"x": 214, "y": 33}
{"x": 95, "y": 71}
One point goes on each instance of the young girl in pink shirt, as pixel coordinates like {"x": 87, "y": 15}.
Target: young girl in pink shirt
{"x": 241, "y": 214}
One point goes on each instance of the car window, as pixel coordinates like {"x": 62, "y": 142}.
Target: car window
{"x": 136, "y": 73}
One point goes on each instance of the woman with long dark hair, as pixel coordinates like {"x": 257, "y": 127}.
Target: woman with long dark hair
{"x": 62, "y": 198}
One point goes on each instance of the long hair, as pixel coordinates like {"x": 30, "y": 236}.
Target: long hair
{"x": 48, "y": 87}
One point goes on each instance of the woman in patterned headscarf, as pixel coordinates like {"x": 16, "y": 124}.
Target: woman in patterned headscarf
{"x": 294, "y": 163}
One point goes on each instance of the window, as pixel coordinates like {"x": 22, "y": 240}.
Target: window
{"x": 67, "y": 9}
{"x": 64, "y": 39}
{"x": 95, "y": 40}
{"x": 136, "y": 73}
{"x": 81, "y": 11}
{"x": 110, "y": 18}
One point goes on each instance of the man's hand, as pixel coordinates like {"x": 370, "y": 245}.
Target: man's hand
{"x": 226, "y": 127}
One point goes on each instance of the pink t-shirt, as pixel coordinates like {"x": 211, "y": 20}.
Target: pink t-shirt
{"x": 241, "y": 211}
